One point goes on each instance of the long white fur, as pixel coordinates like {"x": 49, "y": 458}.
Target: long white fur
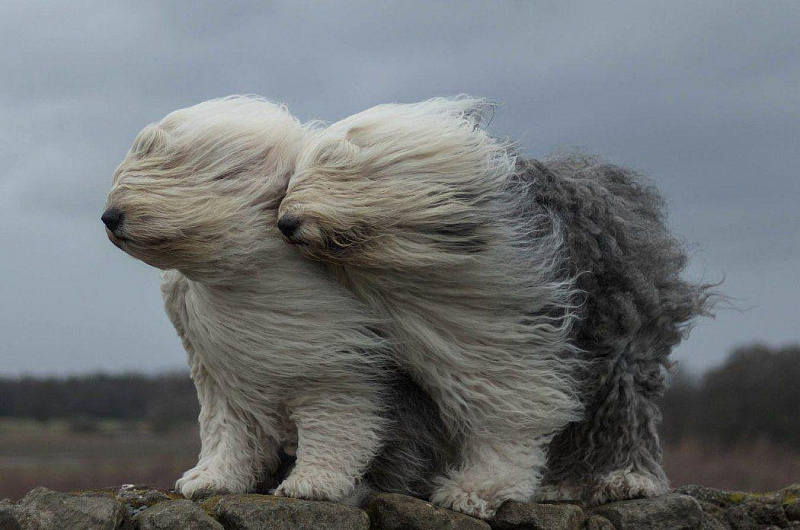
{"x": 387, "y": 196}
{"x": 282, "y": 356}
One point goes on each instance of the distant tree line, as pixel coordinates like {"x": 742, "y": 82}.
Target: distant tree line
{"x": 754, "y": 394}
{"x": 162, "y": 400}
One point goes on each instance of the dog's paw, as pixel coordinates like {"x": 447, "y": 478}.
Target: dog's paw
{"x": 623, "y": 485}
{"x": 452, "y": 496}
{"x": 201, "y": 482}
{"x": 316, "y": 487}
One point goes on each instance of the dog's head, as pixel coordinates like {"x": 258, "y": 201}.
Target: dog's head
{"x": 329, "y": 198}
{"x": 199, "y": 190}
{"x": 395, "y": 183}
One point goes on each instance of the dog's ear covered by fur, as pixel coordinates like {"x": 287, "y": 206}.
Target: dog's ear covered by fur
{"x": 150, "y": 141}
{"x": 407, "y": 176}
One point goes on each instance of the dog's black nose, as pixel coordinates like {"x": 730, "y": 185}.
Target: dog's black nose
{"x": 112, "y": 218}
{"x": 288, "y": 225}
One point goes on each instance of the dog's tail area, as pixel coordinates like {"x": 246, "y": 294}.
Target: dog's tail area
{"x": 628, "y": 265}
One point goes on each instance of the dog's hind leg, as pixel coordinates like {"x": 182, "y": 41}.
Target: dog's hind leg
{"x": 614, "y": 454}
{"x": 625, "y": 430}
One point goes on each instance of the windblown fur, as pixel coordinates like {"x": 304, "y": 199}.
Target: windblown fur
{"x": 634, "y": 308}
{"x": 283, "y": 357}
{"x": 536, "y": 302}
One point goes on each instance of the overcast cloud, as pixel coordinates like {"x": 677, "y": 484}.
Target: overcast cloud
{"x": 702, "y": 96}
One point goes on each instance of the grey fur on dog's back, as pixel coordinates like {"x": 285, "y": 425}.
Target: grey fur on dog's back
{"x": 618, "y": 246}
{"x": 635, "y": 308}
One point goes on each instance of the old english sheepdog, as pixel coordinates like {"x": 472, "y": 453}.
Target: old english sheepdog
{"x": 535, "y": 301}
{"x": 283, "y": 356}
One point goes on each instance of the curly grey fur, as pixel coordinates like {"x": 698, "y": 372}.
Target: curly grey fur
{"x": 634, "y": 309}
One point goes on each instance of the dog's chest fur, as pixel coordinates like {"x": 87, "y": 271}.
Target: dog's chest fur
{"x": 275, "y": 337}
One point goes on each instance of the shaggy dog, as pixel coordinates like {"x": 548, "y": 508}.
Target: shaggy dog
{"x": 282, "y": 356}
{"x": 536, "y": 302}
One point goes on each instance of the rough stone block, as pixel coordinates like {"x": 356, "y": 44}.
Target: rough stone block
{"x": 752, "y": 514}
{"x": 595, "y": 522}
{"x": 792, "y": 508}
{"x": 668, "y": 512}
{"x": 266, "y": 512}
{"x": 44, "y": 509}
{"x": 174, "y": 515}
{"x": 138, "y": 496}
{"x": 530, "y": 516}
{"x": 8, "y": 519}
{"x": 391, "y": 511}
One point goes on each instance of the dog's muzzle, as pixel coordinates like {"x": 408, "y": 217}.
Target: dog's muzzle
{"x": 288, "y": 225}
{"x": 112, "y": 218}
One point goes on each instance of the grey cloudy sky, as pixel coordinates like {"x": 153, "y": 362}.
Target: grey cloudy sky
{"x": 703, "y": 96}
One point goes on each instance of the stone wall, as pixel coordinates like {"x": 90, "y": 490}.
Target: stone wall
{"x": 140, "y": 508}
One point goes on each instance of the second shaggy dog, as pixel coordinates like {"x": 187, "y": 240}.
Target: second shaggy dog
{"x": 535, "y": 302}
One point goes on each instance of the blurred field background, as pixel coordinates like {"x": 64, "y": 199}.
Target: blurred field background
{"x": 736, "y": 427}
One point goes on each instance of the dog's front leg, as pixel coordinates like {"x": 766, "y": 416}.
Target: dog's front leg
{"x": 338, "y": 437}
{"x": 492, "y": 472}
{"x": 231, "y": 460}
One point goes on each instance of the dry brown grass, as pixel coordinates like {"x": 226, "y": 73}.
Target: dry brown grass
{"x": 761, "y": 466}
{"x": 48, "y": 454}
